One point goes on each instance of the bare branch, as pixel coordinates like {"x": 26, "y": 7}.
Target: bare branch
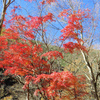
{"x": 5, "y": 6}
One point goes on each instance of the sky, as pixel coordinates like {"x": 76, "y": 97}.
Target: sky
{"x": 28, "y": 8}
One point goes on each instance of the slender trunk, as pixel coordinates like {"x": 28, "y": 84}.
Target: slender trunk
{"x": 28, "y": 93}
{"x": 2, "y": 15}
{"x": 91, "y": 74}
{"x": 5, "y": 6}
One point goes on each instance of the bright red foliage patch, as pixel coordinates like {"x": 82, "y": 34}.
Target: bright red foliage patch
{"x": 56, "y": 82}
{"x": 73, "y": 29}
{"x": 47, "y": 1}
{"x": 23, "y": 59}
{"x": 48, "y": 17}
{"x": 52, "y": 54}
{"x": 44, "y": 1}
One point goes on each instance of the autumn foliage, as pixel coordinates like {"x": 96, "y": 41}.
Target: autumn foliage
{"x": 74, "y": 29}
{"x": 20, "y": 56}
{"x": 58, "y": 84}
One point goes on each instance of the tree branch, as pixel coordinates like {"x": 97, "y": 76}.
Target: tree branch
{"x": 5, "y": 6}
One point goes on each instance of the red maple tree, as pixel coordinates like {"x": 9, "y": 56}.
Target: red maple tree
{"x": 20, "y": 56}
